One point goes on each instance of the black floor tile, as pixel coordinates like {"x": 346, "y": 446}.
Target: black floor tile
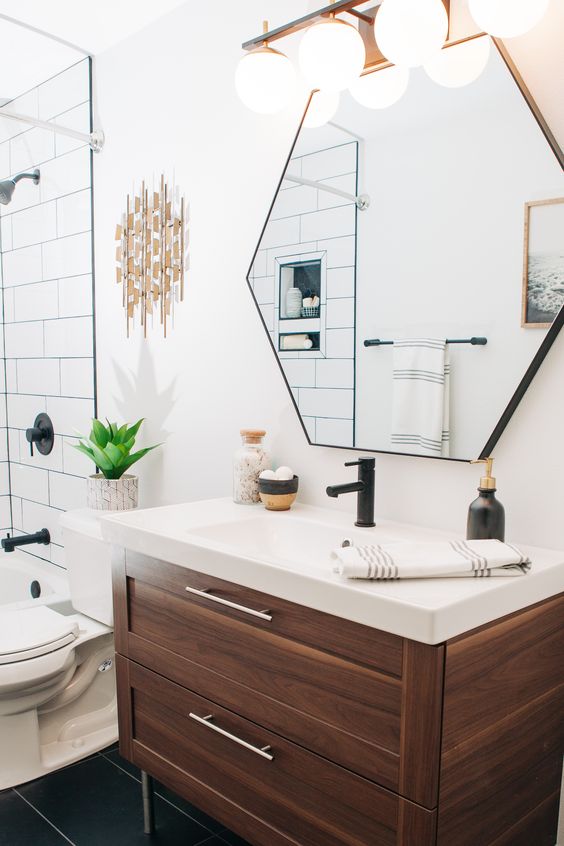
{"x": 115, "y": 758}
{"x": 96, "y": 803}
{"x": 161, "y": 790}
{"x": 20, "y": 825}
{"x": 232, "y": 839}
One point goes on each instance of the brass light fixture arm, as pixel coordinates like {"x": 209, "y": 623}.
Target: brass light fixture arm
{"x": 361, "y": 16}
{"x": 338, "y": 7}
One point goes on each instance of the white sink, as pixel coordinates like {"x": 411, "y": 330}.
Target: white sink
{"x": 287, "y": 554}
{"x": 296, "y": 542}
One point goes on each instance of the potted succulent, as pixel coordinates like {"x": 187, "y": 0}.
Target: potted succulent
{"x": 109, "y": 447}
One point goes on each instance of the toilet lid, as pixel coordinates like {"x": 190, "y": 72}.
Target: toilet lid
{"x": 28, "y": 632}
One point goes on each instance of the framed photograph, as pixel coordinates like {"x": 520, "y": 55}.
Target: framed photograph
{"x": 543, "y": 263}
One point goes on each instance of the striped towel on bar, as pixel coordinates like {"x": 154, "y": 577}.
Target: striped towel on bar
{"x": 431, "y": 560}
{"x": 420, "y": 408}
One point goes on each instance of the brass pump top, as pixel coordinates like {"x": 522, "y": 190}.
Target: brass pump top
{"x": 487, "y": 482}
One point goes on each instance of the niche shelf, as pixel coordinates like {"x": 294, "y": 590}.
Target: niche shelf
{"x": 314, "y": 336}
{"x": 305, "y": 275}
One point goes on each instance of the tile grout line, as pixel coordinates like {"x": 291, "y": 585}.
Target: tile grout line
{"x": 51, "y": 240}
{"x": 48, "y": 821}
{"x": 59, "y": 278}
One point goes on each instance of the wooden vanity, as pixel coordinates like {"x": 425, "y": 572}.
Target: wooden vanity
{"x": 294, "y": 727}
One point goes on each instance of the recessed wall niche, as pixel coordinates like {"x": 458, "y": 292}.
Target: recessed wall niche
{"x": 303, "y": 275}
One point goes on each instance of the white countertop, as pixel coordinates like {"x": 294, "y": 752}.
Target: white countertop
{"x": 224, "y": 540}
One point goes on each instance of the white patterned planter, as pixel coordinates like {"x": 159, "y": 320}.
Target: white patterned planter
{"x": 112, "y": 494}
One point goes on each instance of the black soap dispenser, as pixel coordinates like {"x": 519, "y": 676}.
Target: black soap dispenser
{"x": 486, "y": 515}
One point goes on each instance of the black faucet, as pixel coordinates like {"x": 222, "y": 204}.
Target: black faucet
{"x": 365, "y": 488}
{"x": 9, "y": 543}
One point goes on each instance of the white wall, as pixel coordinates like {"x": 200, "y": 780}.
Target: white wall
{"x": 216, "y": 372}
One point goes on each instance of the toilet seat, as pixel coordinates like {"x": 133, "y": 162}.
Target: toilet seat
{"x": 32, "y": 632}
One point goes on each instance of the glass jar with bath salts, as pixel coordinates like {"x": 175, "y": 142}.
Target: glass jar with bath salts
{"x": 248, "y": 463}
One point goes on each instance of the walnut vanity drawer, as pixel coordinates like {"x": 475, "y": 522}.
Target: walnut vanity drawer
{"x": 373, "y": 648}
{"x": 291, "y": 674}
{"x": 227, "y": 764}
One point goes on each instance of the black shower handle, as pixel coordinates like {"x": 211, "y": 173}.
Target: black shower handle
{"x": 42, "y": 434}
{"x": 34, "y": 435}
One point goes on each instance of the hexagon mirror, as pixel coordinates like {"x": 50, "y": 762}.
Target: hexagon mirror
{"x": 410, "y": 274}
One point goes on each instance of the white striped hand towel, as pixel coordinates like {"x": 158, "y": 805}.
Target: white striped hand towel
{"x": 428, "y": 560}
{"x": 420, "y": 409}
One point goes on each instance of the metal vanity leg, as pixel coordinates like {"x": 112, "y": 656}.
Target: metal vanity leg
{"x": 148, "y": 803}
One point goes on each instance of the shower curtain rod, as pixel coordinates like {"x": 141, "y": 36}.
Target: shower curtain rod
{"x": 362, "y": 201}
{"x": 95, "y": 139}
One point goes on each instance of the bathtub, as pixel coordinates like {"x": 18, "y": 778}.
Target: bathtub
{"x": 26, "y": 580}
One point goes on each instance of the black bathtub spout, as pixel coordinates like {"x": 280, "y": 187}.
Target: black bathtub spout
{"x": 10, "y": 543}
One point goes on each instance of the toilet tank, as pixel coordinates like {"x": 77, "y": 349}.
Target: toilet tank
{"x": 88, "y": 562}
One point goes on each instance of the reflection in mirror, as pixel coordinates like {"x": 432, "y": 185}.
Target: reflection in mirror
{"x": 396, "y": 230}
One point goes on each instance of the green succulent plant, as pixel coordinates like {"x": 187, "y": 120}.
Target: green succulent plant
{"x": 109, "y": 447}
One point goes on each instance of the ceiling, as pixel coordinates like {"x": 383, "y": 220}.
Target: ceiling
{"x": 56, "y": 33}
{"x": 92, "y": 28}
{"x": 39, "y": 39}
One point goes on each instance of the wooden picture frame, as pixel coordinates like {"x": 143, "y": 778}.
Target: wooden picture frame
{"x": 547, "y": 263}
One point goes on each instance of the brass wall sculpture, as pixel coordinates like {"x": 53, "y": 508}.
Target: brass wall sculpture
{"x": 150, "y": 255}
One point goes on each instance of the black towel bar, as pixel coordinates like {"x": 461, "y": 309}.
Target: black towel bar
{"x": 476, "y": 342}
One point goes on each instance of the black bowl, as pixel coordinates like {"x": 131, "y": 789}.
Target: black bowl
{"x": 278, "y": 486}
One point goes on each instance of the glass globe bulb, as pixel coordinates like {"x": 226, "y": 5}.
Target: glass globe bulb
{"x": 382, "y": 88}
{"x": 332, "y": 55}
{"x": 265, "y": 80}
{"x": 322, "y": 108}
{"x": 461, "y": 64}
{"x": 507, "y": 18}
{"x": 409, "y": 32}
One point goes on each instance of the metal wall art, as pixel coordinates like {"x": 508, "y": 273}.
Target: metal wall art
{"x": 150, "y": 255}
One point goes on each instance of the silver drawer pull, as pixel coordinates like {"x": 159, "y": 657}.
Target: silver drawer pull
{"x": 206, "y": 721}
{"x": 205, "y": 594}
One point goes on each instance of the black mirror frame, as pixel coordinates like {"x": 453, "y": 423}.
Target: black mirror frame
{"x": 542, "y": 351}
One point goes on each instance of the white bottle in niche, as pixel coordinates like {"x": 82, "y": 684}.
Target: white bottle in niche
{"x": 294, "y": 302}
{"x": 248, "y": 463}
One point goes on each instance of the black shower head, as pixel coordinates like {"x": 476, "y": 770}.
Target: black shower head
{"x": 8, "y": 186}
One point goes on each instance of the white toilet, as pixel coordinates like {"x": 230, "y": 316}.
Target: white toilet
{"x": 57, "y": 680}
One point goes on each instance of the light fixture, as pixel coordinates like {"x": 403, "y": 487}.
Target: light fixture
{"x": 409, "y": 32}
{"x": 507, "y": 18}
{"x": 265, "y": 79}
{"x": 460, "y": 64}
{"x": 380, "y": 89}
{"x": 322, "y": 108}
{"x": 332, "y": 55}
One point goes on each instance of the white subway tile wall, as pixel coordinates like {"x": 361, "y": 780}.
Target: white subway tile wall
{"x": 306, "y": 224}
{"x": 47, "y": 336}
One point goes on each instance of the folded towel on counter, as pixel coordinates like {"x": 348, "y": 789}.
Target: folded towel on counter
{"x": 296, "y": 342}
{"x": 431, "y": 559}
{"x": 421, "y": 397}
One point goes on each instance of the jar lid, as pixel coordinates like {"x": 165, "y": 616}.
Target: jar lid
{"x": 253, "y": 435}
